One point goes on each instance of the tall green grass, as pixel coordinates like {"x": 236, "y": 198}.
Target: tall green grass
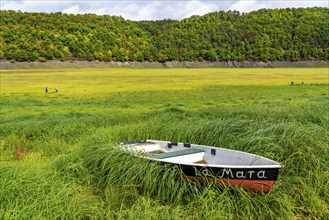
{"x": 57, "y": 159}
{"x": 27, "y": 193}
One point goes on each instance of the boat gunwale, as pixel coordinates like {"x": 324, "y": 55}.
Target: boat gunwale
{"x": 279, "y": 166}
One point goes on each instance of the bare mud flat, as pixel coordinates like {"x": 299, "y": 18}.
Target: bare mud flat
{"x": 9, "y": 64}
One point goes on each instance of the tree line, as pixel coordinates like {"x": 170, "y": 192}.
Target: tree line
{"x": 290, "y": 34}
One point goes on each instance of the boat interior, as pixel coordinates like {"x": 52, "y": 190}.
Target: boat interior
{"x": 185, "y": 153}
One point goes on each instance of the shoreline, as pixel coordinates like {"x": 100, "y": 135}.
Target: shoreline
{"x": 76, "y": 64}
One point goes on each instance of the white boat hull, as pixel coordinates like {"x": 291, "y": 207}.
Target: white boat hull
{"x": 211, "y": 164}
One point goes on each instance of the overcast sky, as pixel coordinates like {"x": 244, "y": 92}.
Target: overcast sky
{"x": 152, "y": 10}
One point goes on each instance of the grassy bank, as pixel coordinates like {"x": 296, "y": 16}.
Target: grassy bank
{"x": 57, "y": 158}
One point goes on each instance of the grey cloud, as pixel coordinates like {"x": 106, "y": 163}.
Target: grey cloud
{"x": 151, "y": 10}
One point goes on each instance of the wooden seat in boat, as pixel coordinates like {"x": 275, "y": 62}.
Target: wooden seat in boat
{"x": 178, "y": 153}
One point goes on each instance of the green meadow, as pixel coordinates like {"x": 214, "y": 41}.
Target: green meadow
{"x": 57, "y": 159}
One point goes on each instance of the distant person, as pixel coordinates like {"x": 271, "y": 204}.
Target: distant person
{"x": 302, "y": 83}
{"x": 292, "y": 82}
{"x": 46, "y": 89}
{"x": 56, "y": 89}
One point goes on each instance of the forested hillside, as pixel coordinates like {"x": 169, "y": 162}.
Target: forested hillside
{"x": 276, "y": 34}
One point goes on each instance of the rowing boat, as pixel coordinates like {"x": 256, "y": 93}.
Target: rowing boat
{"x": 223, "y": 166}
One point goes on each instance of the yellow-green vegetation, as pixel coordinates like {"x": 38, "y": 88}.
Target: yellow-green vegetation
{"x": 57, "y": 160}
{"x": 291, "y": 34}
